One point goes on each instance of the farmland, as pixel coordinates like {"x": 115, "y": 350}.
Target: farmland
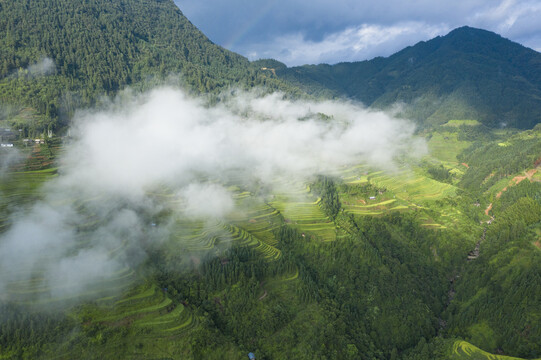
{"x": 197, "y": 274}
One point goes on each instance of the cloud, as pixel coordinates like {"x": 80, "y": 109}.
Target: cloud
{"x": 253, "y": 29}
{"x": 45, "y": 66}
{"x": 351, "y": 44}
{"x": 517, "y": 20}
{"x": 100, "y": 214}
{"x": 8, "y": 157}
{"x": 206, "y": 201}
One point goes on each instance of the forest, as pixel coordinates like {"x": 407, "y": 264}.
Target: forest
{"x": 438, "y": 258}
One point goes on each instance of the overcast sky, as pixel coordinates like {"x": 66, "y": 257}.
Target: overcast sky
{"x": 323, "y": 31}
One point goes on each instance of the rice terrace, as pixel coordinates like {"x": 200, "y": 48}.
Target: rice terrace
{"x": 163, "y": 197}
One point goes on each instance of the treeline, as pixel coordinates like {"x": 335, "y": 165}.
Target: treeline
{"x": 326, "y": 189}
{"x": 370, "y": 294}
{"x": 27, "y": 333}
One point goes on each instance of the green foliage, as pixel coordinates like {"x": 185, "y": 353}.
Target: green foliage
{"x": 467, "y": 74}
{"x": 98, "y": 47}
{"x": 498, "y": 295}
{"x": 439, "y": 173}
{"x": 492, "y": 161}
{"x": 371, "y": 285}
{"x": 326, "y": 189}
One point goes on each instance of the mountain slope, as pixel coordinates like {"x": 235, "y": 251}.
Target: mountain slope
{"x": 58, "y": 55}
{"x": 469, "y": 73}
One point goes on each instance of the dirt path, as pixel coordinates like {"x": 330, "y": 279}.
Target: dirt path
{"x": 517, "y": 180}
{"x": 488, "y": 209}
{"x": 263, "y": 296}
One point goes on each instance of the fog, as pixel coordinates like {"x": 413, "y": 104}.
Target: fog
{"x": 8, "y": 157}
{"x": 95, "y": 219}
{"x": 45, "y": 66}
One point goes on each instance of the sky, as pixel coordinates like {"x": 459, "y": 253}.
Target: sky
{"x": 300, "y": 32}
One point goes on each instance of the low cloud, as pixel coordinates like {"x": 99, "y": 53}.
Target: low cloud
{"x": 45, "y": 66}
{"x": 99, "y": 215}
{"x": 9, "y": 156}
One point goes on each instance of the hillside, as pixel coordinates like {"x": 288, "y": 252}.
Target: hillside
{"x": 467, "y": 74}
{"x": 57, "y": 56}
{"x": 364, "y": 264}
{"x": 173, "y": 227}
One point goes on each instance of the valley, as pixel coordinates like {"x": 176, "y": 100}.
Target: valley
{"x": 162, "y": 197}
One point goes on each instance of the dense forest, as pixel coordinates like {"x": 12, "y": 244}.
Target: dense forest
{"x": 59, "y": 61}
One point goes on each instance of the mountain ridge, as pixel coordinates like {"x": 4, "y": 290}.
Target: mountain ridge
{"x": 468, "y": 73}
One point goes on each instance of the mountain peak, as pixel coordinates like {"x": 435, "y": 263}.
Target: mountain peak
{"x": 468, "y": 73}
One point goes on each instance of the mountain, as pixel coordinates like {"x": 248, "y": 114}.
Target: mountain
{"x": 467, "y": 74}
{"x": 438, "y": 259}
{"x": 59, "y": 55}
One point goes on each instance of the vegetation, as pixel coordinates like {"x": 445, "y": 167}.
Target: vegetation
{"x": 438, "y": 259}
{"x": 58, "y": 61}
{"x": 352, "y": 266}
{"x": 467, "y": 74}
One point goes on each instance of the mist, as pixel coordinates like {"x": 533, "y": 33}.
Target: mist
{"x": 96, "y": 217}
{"x": 9, "y": 157}
{"x": 45, "y": 66}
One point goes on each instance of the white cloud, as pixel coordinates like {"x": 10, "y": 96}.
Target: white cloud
{"x": 352, "y": 44}
{"x": 100, "y": 208}
{"x": 517, "y": 20}
{"x": 45, "y": 66}
{"x": 298, "y": 32}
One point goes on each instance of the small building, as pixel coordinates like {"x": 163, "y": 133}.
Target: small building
{"x": 6, "y": 145}
{"x": 251, "y": 356}
{"x": 372, "y": 198}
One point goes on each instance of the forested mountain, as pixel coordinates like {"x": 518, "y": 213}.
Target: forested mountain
{"x": 59, "y": 55}
{"x": 438, "y": 259}
{"x": 467, "y": 74}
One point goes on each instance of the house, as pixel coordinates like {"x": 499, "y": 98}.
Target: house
{"x": 7, "y": 145}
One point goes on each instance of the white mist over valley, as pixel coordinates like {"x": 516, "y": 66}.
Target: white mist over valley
{"x": 98, "y": 215}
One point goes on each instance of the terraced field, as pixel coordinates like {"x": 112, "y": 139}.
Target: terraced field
{"x": 405, "y": 183}
{"x": 256, "y": 217}
{"x": 445, "y": 147}
{"x": 196, "y": 237}
{"x": 19, "y": 189}
{"x": 149, "y": 307}
{"x": 134, "y": 307}
{"x": 463, "y": 350}
{"x": 302, "y": 210}
{"x": 405, "y": 189}
{"x": 412, "y": 187}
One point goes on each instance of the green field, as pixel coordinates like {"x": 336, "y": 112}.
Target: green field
{"x": 445, "y": 146}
